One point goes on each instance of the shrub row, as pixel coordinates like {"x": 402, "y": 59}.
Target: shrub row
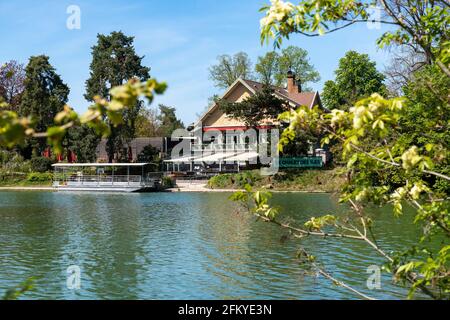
{"x": 235, "y": 180}
{"x": 300, "y": 180}
{"x": 40, "y": 177}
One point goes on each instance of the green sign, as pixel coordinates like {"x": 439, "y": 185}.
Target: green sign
{"x": 301, "y": 162}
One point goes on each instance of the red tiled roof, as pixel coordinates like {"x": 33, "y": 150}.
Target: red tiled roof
{"x": 300, "y": 98}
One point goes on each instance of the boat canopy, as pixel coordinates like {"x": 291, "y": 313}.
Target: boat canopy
{"x": 185, "y": 159}
{"x": 245, "y": 156}
{"x": 215, "y": 157}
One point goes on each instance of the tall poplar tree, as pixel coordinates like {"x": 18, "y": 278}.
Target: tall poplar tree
{"x": 114, "y": 61}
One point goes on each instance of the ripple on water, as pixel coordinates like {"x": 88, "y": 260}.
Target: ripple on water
{"x": 174, "y": 246}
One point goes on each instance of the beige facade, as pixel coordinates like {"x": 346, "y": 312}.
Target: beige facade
{"x": 217, "y": 118}
{"x": 241, "y": 90}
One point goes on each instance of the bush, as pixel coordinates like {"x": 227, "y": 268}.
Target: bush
{"x": 149, "y": 154}
{"x": 247, "y": 177}
{"x": 40, "y": 177}
{"x": 237, "y": 180}
{"x": 41, "y": 164}
{"x": 290, "y": 179}
{"x": 167, "y": 182}
{"x": 220, "y": 181}
{"x": 11, "y": 178}
{"x": 12, "y": 162}
{"x": 5, "y": 156}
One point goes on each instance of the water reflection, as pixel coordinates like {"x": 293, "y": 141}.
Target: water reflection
{"x": 175, "y": 246}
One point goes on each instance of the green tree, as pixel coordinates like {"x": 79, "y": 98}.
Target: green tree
{"x": 267, "y": 68}
{"x": 147, "y": 123}
{"x": 356, "y": 77}
{"x": 83, "y": 141}
{"x": 41, "y": 164}
{"x": 114, "y": 61}
{"x": 168, "y": 121}
{"x": 273, "y": 67}
{"x": 44, "y": 96}
{"x": 428, "y": 107}
{"x": 262, "y": 105}
{"x": 296, "y": 59}
{"x": 301, "y": 144}
{"x": 149, "y": 154}
{"x": 229, "y": 68}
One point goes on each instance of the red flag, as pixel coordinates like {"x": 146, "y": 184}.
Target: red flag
{"x": 46, "y": 153}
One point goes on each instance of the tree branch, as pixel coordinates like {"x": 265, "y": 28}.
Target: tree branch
{"x": 334, "y": 280}
{"x": 395, "y": 164}
{"x": 443, "y": 68}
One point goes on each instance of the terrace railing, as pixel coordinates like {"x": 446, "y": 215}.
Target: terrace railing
{"x": 224, "y": 147}
{"x": 99, "y": 180}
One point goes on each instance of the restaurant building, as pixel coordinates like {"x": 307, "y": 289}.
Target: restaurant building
{"x": 219, "y": 142}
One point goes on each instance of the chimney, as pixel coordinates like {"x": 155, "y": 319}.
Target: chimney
{"x": 291, "y": 82}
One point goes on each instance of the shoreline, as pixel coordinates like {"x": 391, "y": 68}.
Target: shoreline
{"x": 203, "y": 188}
{"x": 26, "y": 188}
{"x": 175, "y": 190}
{"x": 180, "y": 189}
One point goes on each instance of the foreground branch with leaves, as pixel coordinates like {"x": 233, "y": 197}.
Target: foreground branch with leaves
{"x": 396, "y": 151}
{"x": 420, "y": 24}
{"x": 376, "y": 119}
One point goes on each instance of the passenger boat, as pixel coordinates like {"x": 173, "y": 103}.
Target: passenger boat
{"x": 106, "y": 177}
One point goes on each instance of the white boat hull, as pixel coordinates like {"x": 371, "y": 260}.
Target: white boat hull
{"x": 103, "y": 189}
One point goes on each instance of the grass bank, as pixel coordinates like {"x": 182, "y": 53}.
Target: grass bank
{"x": 32, "y": 179}
{"x": 292, "y": 180}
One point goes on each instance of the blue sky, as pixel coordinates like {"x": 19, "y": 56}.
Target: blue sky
{"x": 179, "y": 39}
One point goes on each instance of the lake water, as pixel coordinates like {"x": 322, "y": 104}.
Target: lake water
{"x": 179, "y": 246}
